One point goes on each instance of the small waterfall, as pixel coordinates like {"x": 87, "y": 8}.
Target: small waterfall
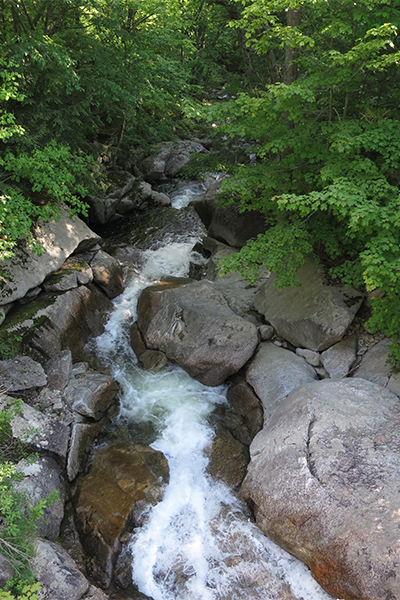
{"x": 198, "y": 543}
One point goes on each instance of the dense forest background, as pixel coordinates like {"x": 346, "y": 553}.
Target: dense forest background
{"x": 312, "y": 86}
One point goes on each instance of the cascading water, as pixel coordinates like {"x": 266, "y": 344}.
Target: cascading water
{"x": 198, "y": 543}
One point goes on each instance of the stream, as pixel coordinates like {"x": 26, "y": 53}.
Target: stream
{"x": 198, "y": 543}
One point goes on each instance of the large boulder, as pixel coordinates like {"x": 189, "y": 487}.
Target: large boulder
{"x": 122, "y": 476}
{"x": 375, "y": 367}
{"x": 21, "y": 373}
{"x": 59, "y": 239}
{"x": 54, "y": 322}
{"x": 91, "y": 395}
{"x": 340, "y": 357}
{"x": 38, "y": 429}
{"x": 59, "y": 576}
{"x": 323, "y": 479}
{"x": 41, "y": 478}
{"x": 274, "y": 372}
{"x": 315, "y": 315}
{"x": 107, "y": 274}
{"x": 195, "y": 327}
{"x": 236, "y": 290}
{"x": 231, "y": 227}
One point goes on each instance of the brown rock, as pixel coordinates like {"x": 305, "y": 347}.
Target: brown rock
{"x": 107, "y": 274}
{"x": 121, "y": 475}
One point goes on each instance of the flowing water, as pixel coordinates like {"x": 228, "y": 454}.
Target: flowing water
{"x": 198, "y": 543}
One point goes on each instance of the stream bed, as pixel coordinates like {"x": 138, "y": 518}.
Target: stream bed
{"x": 199, "y": 542}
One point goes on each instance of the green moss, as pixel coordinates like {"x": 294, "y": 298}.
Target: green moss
{"x": 20, "y": 325}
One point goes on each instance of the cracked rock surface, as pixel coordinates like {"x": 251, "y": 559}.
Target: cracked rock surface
{"x": 323, "y": 478}
{"x": 195, "y": 327}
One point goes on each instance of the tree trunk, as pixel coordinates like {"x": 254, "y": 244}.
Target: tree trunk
{"x": 292, "y": 54}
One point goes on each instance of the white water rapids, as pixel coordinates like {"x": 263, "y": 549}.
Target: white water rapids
{"x": 198, "y": 543}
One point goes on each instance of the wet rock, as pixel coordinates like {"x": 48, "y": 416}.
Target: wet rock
{"x": 137, "y": 342}
{"x": 91, "y": 395}
{"x": 245, "y": 403}
{"x": 27, "y": 270}
{"x": 153, "y": 360}
{"x": 41, "y": 478}
{"x": 231, "y": 227}
{"x": 58, "y": 370}
{"x": 21, "y": 373}
{"x": 107, "y": 274}
{"x": 323, "y": 479}
{"x": 42, "y": 431}
{"x": 195, "y": 327}
{"x": 82, "y": 436}
{"x": 274, "y": 372}
{"x": 313, "y": 316}
{"x": 228, "y": 458}
{"x": 340, "y": 357}
{"x": 120, "y": 476}
{"x": 57, "y": 573}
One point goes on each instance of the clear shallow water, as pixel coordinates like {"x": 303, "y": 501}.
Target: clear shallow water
{"x": 198, "y": 543}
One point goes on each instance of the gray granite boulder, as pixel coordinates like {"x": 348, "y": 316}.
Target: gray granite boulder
{"x": 41, "y": 478}
{"x": 168, "y": 159}
{"x": 315, "y": 315}
{"x": 313, "y": 358}
{"x": 375, "y": 366}
{"x": 91, "y": 395}
{"x": 323, "y": 478}
{"x": 59, "y": 576}
{"x": 21, "y": 373}
{"x": 340, "y": 357}
{"x": 6, "y": 571}
{"x": 59, "y": 239}
{"x": 274, "y": 372}
{"x": 107, "y": 274}
{"x": 59, "y": 370}
{"x": 154, "y": 165}
{"x": 34, "y": 427}
{"x": 195, "y": 327}
{"x": 55, "y": 322}
{"x": 82, "y": 436}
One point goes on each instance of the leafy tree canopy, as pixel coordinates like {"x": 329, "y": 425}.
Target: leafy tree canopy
{"x": 326, "y": 133}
